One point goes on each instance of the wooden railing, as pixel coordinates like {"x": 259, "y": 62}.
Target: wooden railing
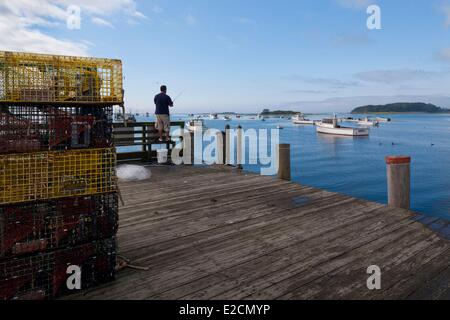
{"x": 143, "y": 135}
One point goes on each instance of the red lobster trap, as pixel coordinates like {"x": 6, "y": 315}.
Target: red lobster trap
{"x": 51, "y": 225}
{"x": 50, "y": 128}
{"x": 44, "y": 276}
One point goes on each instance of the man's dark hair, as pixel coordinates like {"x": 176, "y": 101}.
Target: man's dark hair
{"x": 163, "y": 88}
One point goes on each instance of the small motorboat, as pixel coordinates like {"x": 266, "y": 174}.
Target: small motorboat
{"x": 227, "y": 118}
{"x": 213, "y": 116}
{"x": 330, "y": 126}
{"x": 195, "y": 125}
{"x": 300, "y": 119}
{"x": 130, "y": 118}
{"x": 381, "y": 119}
{"x": 368, "y": 122}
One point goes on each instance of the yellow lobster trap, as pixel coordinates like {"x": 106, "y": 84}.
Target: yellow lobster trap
{"x": 45, "y": 79}
{"x": 52, "y": 175}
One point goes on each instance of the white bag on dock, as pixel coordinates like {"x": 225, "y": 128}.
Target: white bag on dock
{"x": 127, "y": 173}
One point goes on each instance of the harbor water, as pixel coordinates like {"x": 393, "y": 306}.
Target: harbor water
{"x": 356, "y": 166}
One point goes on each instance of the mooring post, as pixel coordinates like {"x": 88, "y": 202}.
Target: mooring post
{"x": 239, "y": 144}
{"x": 284, "y": 162}
{"x": 399, "y": 181}
{"x": 220, "y": 151}
{"x": 226, "y": 145}
{"x": 192, "y": 137}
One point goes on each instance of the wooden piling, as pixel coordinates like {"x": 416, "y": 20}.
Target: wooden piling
{"x": 226, "y": 145}
{"x": 284, "y": 162}
{"x": 192, "y": 138}
{"x": 399, "y": 181}
{"x": 221, "y": 148}
{"x": 239, "y": 146}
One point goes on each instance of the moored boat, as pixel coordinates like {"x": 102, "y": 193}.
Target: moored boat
{"x": 300, "y": 119}
{"x": 330, "y": 126}
{"x": 368, "y": 122}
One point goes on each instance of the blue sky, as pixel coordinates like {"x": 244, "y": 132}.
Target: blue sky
{"x": 245, "y": 55}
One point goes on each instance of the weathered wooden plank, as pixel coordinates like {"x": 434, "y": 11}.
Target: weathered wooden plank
{"x": 210, "y": 233}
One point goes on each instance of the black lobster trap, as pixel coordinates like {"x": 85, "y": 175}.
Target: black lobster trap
{"x": 53, "y": 128}
{"x": 51, "y": 225}
{"x": 45, "y": 275}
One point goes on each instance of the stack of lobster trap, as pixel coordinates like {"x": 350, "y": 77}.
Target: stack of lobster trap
{"x": 58, "y": 201}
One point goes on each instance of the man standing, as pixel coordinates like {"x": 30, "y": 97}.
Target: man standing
{"x": 163, "y": 102}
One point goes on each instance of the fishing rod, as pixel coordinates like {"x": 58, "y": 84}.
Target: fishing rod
{"x": 178, "y": 96}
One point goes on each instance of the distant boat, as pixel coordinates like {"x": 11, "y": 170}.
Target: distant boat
{"x": 300, "y": 119}
{"x": 118, "y": 117}
{"x": 213, "y": 116}
{"x": 227, "y": 118}
{"x": 330, "y": 126}
{"x": 280, "y": 127}
{"x": 381, "y": 119}
{"x": 130, "y": 118}
{"x": 368, "y": 122}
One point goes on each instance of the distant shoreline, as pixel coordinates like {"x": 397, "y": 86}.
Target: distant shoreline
{"x": 381, "y": 113}
{"x": 401, "y": 107}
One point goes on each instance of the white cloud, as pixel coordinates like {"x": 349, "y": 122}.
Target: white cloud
{"x": 397, "y": 75}
{"x": 22, "y": 21}
{"x": 355, "y": 4}
{"x": 329, "y": 82}
{"x": 101, "y": 22}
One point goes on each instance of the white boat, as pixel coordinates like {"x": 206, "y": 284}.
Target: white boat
{"x": 330, "y": 126}
{"x": 195, "y": 125}
{"x": 381, "y": 119}
{"x": 300, "y": 119}
{"x": 368, "y": 122}
{"x": 227, "y": 118}
{"x": 213, "y": 116}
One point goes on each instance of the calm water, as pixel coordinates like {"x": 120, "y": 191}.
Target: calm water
{"x": 356, "y": 167}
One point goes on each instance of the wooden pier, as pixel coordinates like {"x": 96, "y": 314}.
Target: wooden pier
{"x": 219, "y": 233}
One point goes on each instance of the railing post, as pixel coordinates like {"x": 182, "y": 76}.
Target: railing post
{"x": 146, "y": 156}
{"x": 284, "y": 162}
{"x": 399, "y": 181}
